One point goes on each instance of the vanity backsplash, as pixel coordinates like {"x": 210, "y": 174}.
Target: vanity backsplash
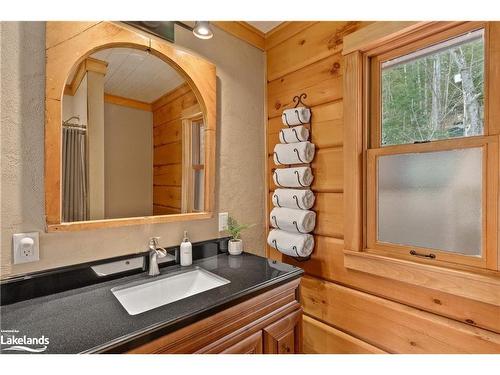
{"x": 57, "y": 280}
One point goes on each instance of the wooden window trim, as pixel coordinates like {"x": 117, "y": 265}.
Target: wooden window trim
{"x": 187, "y": 178}
{"x": 359, "y": 46}
{"x": 477, "y": 285}
{"x": 489, "y": 145}
{"x": 375, "y": 129}
{"x": 187, "y": 184}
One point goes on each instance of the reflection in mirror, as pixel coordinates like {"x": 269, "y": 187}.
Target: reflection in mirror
{"x": 132, "y": 139}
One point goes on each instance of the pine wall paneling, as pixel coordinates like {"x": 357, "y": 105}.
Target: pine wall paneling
{"x": 320, "y": 338}
{"x": 349, "y": 311}
{"x": 167, "y": 155}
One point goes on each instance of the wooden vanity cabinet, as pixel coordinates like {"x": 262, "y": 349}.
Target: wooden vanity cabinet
{"x": 285, "y": 335}
{"x": 250, "y": 345}
{"x": 269, "y": 323}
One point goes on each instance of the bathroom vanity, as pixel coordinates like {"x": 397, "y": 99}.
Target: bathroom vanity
{"x": 269, "y": 323}
{"x": 163, "y": 129}
{"x": 256, "y": 310}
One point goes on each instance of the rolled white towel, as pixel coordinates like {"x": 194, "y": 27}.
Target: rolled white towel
{"x": 293, "y": 220}
{"x": 296, "y": 116}
{"x": 294, "y": 153}
{"x": 293, "y": 177}
{"x": 291, "y": 244}
{"x": 293, "y": 198}
{"x": 294, "y": 135}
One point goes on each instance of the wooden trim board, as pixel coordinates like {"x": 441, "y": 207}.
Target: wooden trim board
{"x": 114, "y": 223}
{"x": 377, "y": 33}
{"x": 320, "y": 338}
{"x": 469, "y": 285}
{"x": 127, "y": 102}
{"x": 88, "y": 65}
{"x": 353, "y": 151}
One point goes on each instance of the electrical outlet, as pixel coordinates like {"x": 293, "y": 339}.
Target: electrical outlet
{"x": 223, "y": 218}
{"x": 25, "y": 247}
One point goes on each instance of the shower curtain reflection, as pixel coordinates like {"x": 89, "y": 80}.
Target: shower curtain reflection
{"x": 74, "y": 174}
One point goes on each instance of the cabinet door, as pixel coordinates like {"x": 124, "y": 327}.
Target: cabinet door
{"x": 285, "y": 335}
{"x": 249, "y": 345}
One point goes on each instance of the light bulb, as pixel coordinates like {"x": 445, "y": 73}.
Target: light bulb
{"x": 202, "y": 30}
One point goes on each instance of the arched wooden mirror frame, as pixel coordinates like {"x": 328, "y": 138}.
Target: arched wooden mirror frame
{"x": 69, "y": 43}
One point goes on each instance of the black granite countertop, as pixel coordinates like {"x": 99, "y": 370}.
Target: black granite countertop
{"x": 90, "y": 319}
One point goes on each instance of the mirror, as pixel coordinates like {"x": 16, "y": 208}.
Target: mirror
{"x": 133, "y": 139}
{"x": 130, "y": 128}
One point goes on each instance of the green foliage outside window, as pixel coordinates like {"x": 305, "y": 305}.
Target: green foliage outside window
{"x": 436, "y": 95}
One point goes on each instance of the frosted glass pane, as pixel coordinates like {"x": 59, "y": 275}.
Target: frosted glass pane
{"x": 431, "y": 200}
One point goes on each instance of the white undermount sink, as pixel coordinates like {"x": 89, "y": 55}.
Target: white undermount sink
{"x": 141, "y": 296}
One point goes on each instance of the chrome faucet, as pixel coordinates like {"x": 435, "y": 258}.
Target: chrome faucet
{"x": 155, "y": 252}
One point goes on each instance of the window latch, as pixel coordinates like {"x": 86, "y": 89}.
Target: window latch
{"x": 431, "y": 256}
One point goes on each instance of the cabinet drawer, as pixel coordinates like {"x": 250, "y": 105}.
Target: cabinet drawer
{"x": 249, "y": 345}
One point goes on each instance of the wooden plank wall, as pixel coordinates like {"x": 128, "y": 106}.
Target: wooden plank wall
{"x": 348, "y": 311}
{"x": 167, "y": 155}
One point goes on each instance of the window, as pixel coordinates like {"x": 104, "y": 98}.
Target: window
{"x": 434, "y": 208}
{"x": 198, "y": 170}
{"x": 431, "y": 166}
{"x": 434, "y": 93}
{"x": 193, "y": 165}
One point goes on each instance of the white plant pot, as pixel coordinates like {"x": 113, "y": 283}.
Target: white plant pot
{"x": 235, "y": 247}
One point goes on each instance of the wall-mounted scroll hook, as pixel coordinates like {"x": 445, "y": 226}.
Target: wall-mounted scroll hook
{"x": 277, "y": 200}
{"x": 298, "y": 178}
{"x": 297, "y": 202}
{"x": 296, "y": 227}
{"x": 275, "y": 222}
{"x": 298, "y": 156}
{"x": 298, "y": 99}
{"x": 298, "y": 258}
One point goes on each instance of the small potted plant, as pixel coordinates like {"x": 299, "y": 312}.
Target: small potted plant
{"x": 234, "y": 229}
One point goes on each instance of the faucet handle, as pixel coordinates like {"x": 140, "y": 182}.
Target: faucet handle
{"x": 153, "y": 242}
{"x": 161, "y": 252}
{"x": 153, "y": 245}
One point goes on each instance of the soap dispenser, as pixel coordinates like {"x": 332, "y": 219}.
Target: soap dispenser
{"x": 186, "y": 251}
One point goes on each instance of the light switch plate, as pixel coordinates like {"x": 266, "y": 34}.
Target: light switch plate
{"x": 25, "y": 247}
{"x": 223, "y": 218}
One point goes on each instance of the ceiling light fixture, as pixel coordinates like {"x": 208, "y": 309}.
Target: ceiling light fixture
{"x": 202, "y": 30}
